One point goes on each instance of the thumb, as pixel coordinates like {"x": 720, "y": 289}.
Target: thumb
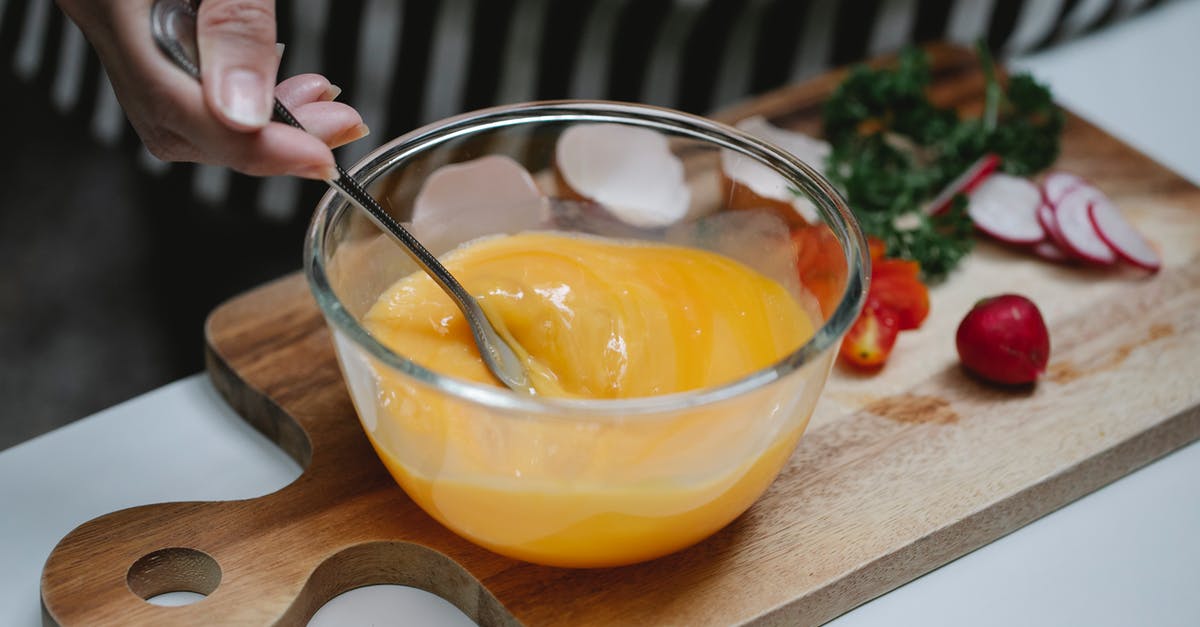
{"x": 236, "y": 40}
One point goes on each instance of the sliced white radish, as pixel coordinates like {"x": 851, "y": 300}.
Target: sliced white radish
{"x": 1005, "y": 207}
{"x": 1075, "y": 225}
{"x": 769, "y": 188}
{"x": 1056, "y": 184}
{"x": 1045, "y": 216}
{"x": 964, "y": 183}
{"x": 1121, "y": 236}
{"x": 1048, "y": 250}
{"x": 629, "y": 170}
{"x": 463, "y": 201}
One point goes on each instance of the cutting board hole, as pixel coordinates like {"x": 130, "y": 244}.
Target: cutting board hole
{"x": 172, "y": 571}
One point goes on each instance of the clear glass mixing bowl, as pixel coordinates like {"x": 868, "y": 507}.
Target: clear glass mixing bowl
{"x": 587, "y": 483}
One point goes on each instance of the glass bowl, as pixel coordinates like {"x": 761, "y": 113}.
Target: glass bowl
{"x": 582, "y": 482}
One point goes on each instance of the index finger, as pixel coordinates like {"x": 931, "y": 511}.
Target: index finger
{"x": 236, "y": 40}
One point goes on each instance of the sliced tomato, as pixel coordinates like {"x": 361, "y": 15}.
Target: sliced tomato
{"x": 877, "y": 247}
{"x": 896, "y": 285}
{"x": 896, "y": 268}
{"x": 870, "y": 340}
{"x": 821, "y": 265}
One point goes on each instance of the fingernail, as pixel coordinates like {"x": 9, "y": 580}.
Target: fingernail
{"x": 322, "y": 172}
{"x": 279, "y": 47}
{"x": 332, "y": 92}
{"x": 243, "y": 98}
{"x": 352, "y": 134}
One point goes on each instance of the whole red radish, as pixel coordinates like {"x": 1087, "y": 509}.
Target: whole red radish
{"x": 1004, "y": 339}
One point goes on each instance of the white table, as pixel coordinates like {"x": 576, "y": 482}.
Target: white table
{"x": 1127, "y": 554}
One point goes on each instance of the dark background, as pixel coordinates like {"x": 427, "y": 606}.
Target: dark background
{"x": 109, "y": 271}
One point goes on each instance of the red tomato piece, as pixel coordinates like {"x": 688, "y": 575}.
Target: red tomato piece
{"x": 877, "y": 247}
{"x": 821, "y": 264}
{"x": 896, "y": 284}
{"x": 870, "y": 340}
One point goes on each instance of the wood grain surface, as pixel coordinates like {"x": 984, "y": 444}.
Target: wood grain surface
{"x": 897, "y": 474}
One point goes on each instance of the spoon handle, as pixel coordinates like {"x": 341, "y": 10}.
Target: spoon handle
{"x": 350, "y": 186}
{"x": 173, "y": 25}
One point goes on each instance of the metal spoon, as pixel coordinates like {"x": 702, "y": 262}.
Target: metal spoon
{"x": 173, "y": 24}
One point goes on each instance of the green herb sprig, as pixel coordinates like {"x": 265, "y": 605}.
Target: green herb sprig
{"x": 893, "y": 150}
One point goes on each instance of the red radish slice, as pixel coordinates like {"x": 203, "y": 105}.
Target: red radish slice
{"x": 1075, "y": 226}
{"x": 1045, "y": 216}
{"x": 1050, "y": 251}
{"x": 1054, "y": 186}
{"x": 1005, "y": 207}
{"x": 963, "y": 184}
{"x": 1057, "y": 184}
{"x": 1121, "y": 236}
{"x": 629, "y": 170}
{"x": 463, "y": 201}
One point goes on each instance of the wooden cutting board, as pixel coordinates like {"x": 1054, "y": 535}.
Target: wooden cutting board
{"x": 897, "y": 474}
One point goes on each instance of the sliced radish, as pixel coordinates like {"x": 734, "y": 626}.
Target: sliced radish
{"x": 766, "y": 186}
{"x": 963, "y": 184}
{"x": 1005, "y": 207}
{"x": 1054, "y": 186}
{"x": 1045, "y": 216}
{"x": 463, "y": 201}
{"x": 1075, "y": 225}
{"x": 1121, "y": 236}
{"x": 1048, "y": 250}
{"x": 1057, "y": 184}
{"x": 629, "y": 170}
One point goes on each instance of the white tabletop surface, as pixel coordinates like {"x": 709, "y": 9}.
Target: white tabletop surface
{"x": 1128, "y": 554}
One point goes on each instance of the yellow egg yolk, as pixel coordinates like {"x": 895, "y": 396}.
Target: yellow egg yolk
{"x": 600, "y": 319}
{"x": 603, "y": 319}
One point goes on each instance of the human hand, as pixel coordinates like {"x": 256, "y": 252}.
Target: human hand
{"x": 225, "y": 119}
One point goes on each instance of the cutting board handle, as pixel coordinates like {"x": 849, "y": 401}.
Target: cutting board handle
{"x": 275, "y": 559}
{"x": 138, "y": 553}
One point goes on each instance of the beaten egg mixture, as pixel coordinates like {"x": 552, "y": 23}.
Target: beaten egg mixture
{"x": 599, "y": 319}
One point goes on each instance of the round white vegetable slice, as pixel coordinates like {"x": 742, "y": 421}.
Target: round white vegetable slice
{"x": 1048, "y": 250}
{"x": 1005, "y": 207}
{"x": 977, "y": 173}
{"x": 1121, "y": 236}
{"x": 629, "y": 170}
{"x": 1058, "y": 183}
{"x": 1075, "y": 225}
{"x": 1045, "y": 216}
